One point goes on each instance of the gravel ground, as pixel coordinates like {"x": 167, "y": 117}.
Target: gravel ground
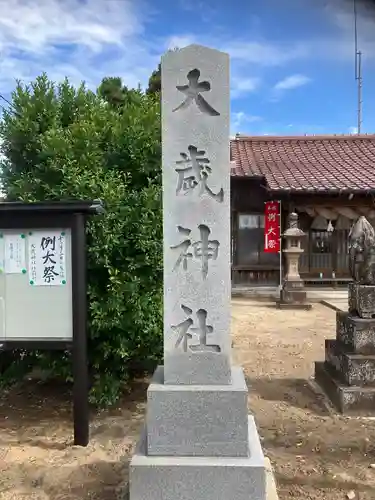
{"x": 316, "y": 454}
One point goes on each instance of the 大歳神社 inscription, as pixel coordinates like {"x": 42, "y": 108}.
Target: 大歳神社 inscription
{"x": 193, "y": 93}
{"x": 195, "y": 173}
{"x": 197, "y": 402}
{"x": 186, "y": 331}
{"x": 202, "y": 250}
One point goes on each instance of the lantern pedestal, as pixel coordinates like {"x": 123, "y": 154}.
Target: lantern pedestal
{"x": 293, "y": 294}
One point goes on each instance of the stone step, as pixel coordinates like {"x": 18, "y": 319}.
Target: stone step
{"x": 356, "y": 333}
{"x": 199, "y": 478}
{"x": 197, "y": 420}
{"x": 348, "y": 400}
{"x": 352, "y": 369}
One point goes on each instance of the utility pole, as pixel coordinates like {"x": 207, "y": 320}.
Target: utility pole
{"x": 358, "y": 70}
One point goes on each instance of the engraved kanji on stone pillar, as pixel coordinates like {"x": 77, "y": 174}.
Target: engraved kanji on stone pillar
{"x": 196, "y": 210}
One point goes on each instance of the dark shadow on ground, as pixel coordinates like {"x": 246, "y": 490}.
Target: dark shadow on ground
{"x": 97, "y": 480}
{"x": 295, "y": 392}
{"x": 28, "y": 409}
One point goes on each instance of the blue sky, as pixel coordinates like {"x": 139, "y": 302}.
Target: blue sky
{"x": 292, "y": 61}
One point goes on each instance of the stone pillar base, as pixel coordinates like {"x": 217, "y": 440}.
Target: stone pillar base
{"x": 199, "y": 443}
{"x": 293, "y": 296}
{"x": 199, "y": 478}
{"x": 203, "y": 420}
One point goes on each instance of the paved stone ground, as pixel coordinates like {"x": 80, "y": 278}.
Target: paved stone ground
{"x": 314, "y": 294}
{"x": 336, "y": 303}
{"x": 315, "y": 453}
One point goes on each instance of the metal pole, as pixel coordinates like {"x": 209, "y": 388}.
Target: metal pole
{"x": 280, "y": 252}
{"x": 80, "y": 357}
{"x": 358, "y": 70}
{"x": 355, "y": 39}
{"x": 359, "y": 92}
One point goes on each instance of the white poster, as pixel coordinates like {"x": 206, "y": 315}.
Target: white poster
{"x": 47, "y": 266}
{"x": 14, "y": 253}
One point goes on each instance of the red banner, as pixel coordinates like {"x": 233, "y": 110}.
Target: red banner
{"x": 272, "y": 227}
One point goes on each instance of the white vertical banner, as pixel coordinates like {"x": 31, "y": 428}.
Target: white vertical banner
{"x": 47, "y": 259}
{"x": 14, "y": 253}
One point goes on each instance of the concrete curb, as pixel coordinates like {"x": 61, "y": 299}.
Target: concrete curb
{"x": 329, "y": 304}
{"x": 271, "y": 491}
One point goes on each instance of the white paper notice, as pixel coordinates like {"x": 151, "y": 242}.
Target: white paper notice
{"x": 14, "y": 253}
{"x": 47, "y": 266}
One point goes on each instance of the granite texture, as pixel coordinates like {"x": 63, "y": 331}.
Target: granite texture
{"x": 358, "y": 334}
{"x": 196, "y": 215}
{"x": 348, "y": 400}
{"x": 361, "y": 300}
{"x": 352, "y": 369}
{"x": 361, "y": 247}
{"x": 202, "y": 420}
{"x": 196, "y": 412}
{"x": 199, "y": 478}
{"x": 352, "y": 302}
{"x": 190, "y": 369}
{"x": 347, "y": 375}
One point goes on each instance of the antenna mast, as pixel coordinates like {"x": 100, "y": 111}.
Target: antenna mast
{"x": 358, "y": 70}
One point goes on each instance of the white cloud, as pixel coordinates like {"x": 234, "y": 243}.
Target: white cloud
{"x": 341, "y": 14}
{"x": 31, "y": 26}
{"x": 90, "y": 39}
{"x": 291, "y": 82}
{"x": 353, "y": 130}
{"x": 265, "y": 53}
{"x": 81, "y": 40}
{"x": 201, "y": 8}
{"x": 241, "y": 86}
{"x": 179, "y": 41}
{"x": 241, "y": 119}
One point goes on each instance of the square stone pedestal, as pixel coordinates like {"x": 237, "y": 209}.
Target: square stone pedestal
{"x": 199, "y": 478}
{"x": 347, "y": 375}
{"x": 361, "y": 300}
{"x": 293, "y": 296}
{"x": 197, "y": 420}
{"x": 198, "y": 443}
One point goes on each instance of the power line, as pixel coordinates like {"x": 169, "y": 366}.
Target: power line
{"x": 6, "y": 100}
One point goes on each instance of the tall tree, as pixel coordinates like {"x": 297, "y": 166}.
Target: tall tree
{"x": 118, "y": 95}
{"x": 60, "y": 143}
{"x": 154, "y": 82}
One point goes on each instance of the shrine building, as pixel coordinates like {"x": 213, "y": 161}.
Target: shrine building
{"x": 328, "y": 180}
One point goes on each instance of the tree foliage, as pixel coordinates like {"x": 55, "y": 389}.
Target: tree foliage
{"x": 63, "y": 143}
{"x": 154, "y": 82}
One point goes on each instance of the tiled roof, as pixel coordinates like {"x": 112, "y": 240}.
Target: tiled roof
{"x": 313, "y": 163}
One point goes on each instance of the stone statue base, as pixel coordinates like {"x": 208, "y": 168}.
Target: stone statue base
{"x": 347, "y": 375}
{"x": 293, "y": 296}
{"x": 361, "y": 300}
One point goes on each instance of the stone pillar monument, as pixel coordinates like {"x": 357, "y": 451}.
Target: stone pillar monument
{"x": 348, "y": 373}
{"x": 293, "y": 294}
{"x": 198, "y": 441}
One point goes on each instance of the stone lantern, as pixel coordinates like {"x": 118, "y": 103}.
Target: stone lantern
{"x": 293, "y": 294}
